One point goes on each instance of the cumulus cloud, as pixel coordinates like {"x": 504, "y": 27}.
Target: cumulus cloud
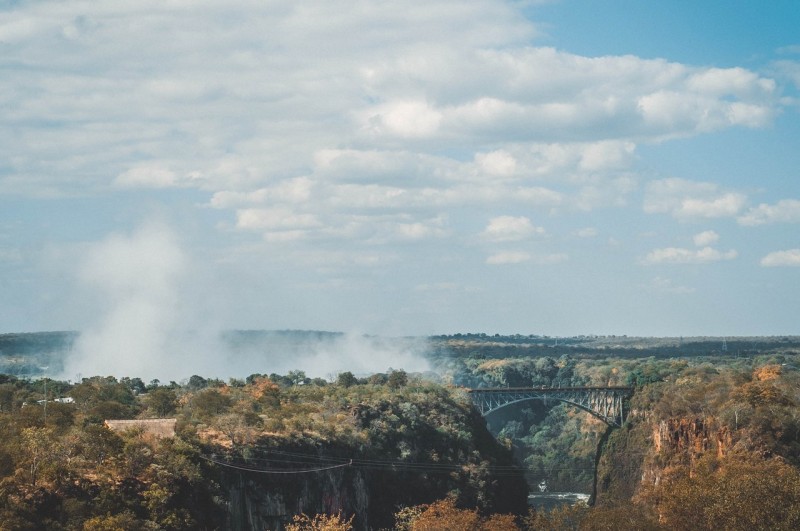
{"x": 649, "y": 97}
{"x": 510, "y": 228}
{"x": 499, "y": 163}
{"x": 147, "y": 177}
{"x": 520, "y": 257}
{"x": 788, "y": 69}
{"x": 784, "y": 211}
{"x": 787, "y": 258}
{"x": 275, "y": 218}
{"x": 705, "y": 238}
{"x": 677, "y": 255}
{"x": 406, "y": 119}
{"x": 685, "y": 199}
{"x": 277, "y": 98}
{"x": 338, "y": 125}
{"x": 730, "y": 81}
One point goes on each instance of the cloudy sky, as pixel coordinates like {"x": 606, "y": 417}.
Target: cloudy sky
{"x": 401, "y": 168}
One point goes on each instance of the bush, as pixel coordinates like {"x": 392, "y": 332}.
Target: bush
{"x": 320, "y": 522}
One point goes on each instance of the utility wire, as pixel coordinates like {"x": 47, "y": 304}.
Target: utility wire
{"x": 397, "y": 466}
{"x": 263, "y": 471}
{"x": 379, "y": 462}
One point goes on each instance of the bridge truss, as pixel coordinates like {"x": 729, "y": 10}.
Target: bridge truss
{"x": 605, "y": 403}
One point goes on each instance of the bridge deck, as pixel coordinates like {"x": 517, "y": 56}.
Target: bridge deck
{"x": 606, "y": 403}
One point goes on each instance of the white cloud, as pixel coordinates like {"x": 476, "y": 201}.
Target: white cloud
{"x": 284, "y": 236}
{"x": 726, "y": 205}
{"x": 510, "y": 228}
{"x": 784, "y": 211}
{"x": 679, "y": 113}
{"x": 705, "y": 238}
{"x": 421, "y": 230}
{"x": 787, "y": 258}
{"x": 646, "y": 97}
{"x": 520, "y": 257}
{"x": 677, "y": 255}
{"x": 509, "y": 257}
{"x": 353, "y": 124}
{"x": 606, "y": 155}
{"x": 685, "y": 199}
{"x": 147, "y": 177}
{"x": 15, "y": 30}
{"x": 605, "y": 193}
{"x": 498, "y": 163}
{"x": 729, "y": 81}
{"x": 406, "y": 119}
{"x": 789, "y": 70}
{"x": 301, "y": 111}
{"x": 272, "y": 219}
{"x": 290, "y": 191}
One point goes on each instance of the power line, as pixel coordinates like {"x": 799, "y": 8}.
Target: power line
{"x": 371, "y": 464}
{"x": 263, "y": 471}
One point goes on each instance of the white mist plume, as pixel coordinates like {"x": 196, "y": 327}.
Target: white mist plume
{"x": 141, "y": 328}
{"x": 325, "y": 355}
{"x": 151, "y": 323}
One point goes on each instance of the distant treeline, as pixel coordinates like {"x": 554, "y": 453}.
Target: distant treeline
{"x": 27, "y": 354}
{"x": 519, "y": 346}
{"x": 33, "y": 354}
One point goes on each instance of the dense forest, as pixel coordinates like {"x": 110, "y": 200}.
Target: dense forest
{"x": 711, "y": 441}
{"x": 245, "y": 454}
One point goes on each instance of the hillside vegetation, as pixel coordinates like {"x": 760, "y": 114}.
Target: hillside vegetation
{"x": 243, "y": 451}
{"x": 711, "y": 441}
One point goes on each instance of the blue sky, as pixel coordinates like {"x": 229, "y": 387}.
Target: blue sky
{"x": 560, "y": 168}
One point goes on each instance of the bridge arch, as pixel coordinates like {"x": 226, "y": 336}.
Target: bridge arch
{"x": 605, "y": 403}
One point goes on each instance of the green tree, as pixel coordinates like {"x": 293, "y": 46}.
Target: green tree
{"x": 125, "y": 521}
{"x": 162, "y": 401}
{"x": 197, "y": 382}
{"x": 732, "y": 494}
{"x": 97, "y": 444}
{"x": 209, "y": 402}
{"x": 298, "y": 378}
{"x": 397, "y": 379}
{"x": 39, "y": 448}
{"x": 346, "y": 379}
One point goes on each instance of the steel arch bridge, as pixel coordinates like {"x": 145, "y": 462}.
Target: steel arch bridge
{"x": 605, "y": 403}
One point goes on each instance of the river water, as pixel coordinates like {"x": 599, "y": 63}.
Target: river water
{"x": 550, "y": 500}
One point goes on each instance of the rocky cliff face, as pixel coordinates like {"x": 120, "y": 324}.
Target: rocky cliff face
{"x": 266, "y": 501}
{"x": 263, "y": 501}
{"x": 692, "y": 435}
{"x": 371, "y": 487}
{"x": 637, "y": 455}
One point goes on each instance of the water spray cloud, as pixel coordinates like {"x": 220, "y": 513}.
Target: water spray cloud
{"x": 150, "y": 322}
